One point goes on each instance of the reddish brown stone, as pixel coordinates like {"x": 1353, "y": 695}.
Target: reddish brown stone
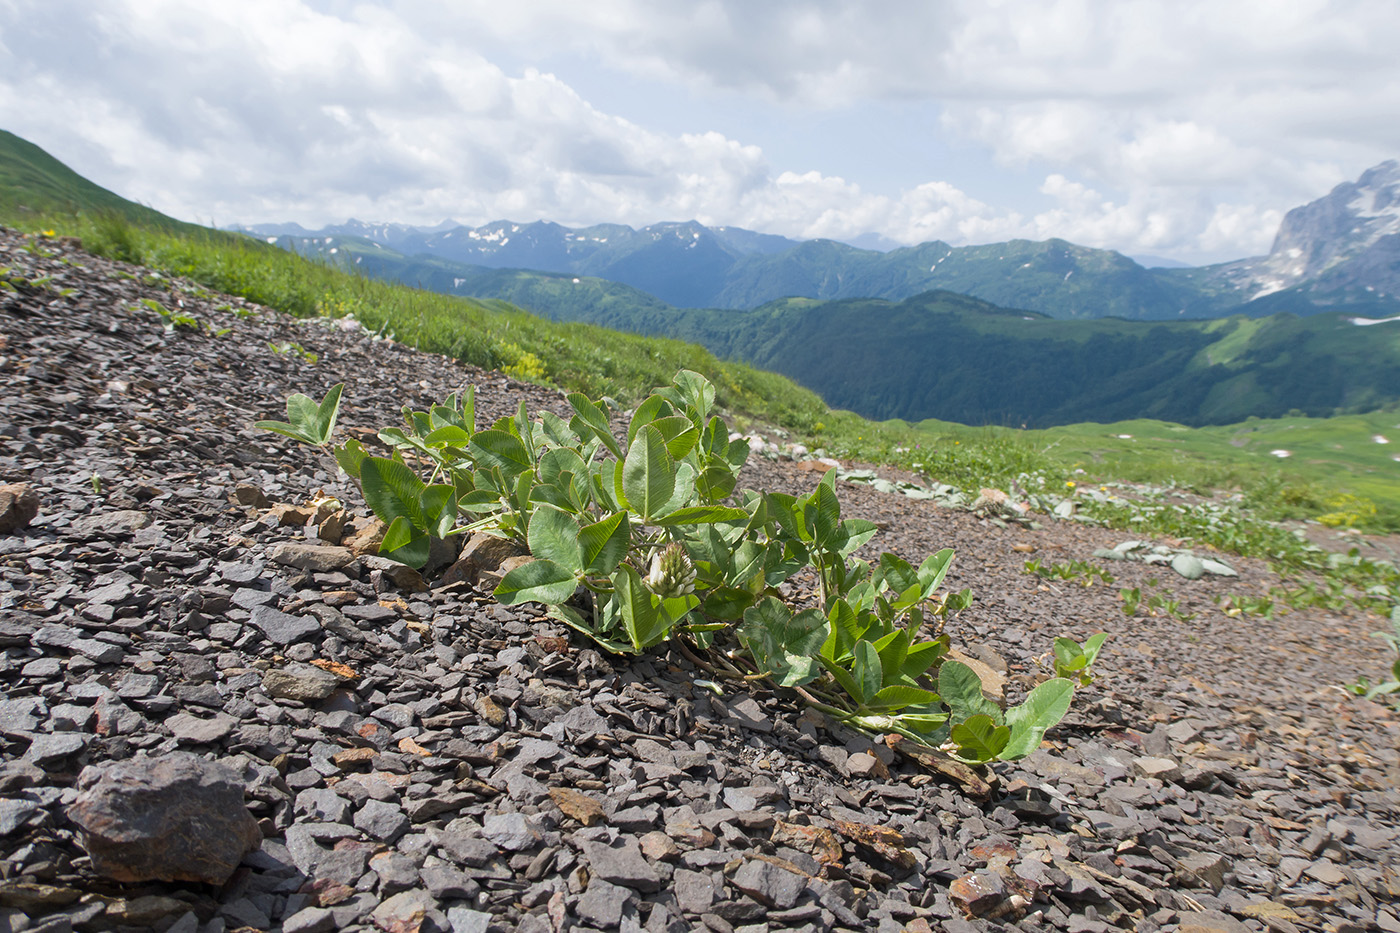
{"x": 19, "y": 505}
{"x": 175, "y": 818}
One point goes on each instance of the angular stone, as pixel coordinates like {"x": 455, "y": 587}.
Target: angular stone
{"x": 696, "y": 891}
{"x": 199, "y": 731}
{"x": 602, "y": 904}
{"x": 19, "y": 505}
{"x": 304, "y": 683}
{"x": 577, "y": 805}
{"x": 381, "y": 820}
{"x": 174, "y": 818}
{"x": 1164, "y": 769}
{"x": 465, "y": 920}
{"x": 282, "y": 628}
{"x": 314, "y": 558}
{"x": 621, "y": 863}
{"x": 769, "y": 884}
{"x": 510, "y": 831}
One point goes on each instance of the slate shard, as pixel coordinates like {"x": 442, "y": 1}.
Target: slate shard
{"x": 174, "y": 818}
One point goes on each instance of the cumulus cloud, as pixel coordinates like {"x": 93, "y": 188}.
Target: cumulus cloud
{"x": 1181, "y": 127}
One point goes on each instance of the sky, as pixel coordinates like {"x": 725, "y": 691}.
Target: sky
{"x": 1177, "y": 129}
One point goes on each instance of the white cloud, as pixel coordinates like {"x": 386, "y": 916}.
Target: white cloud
{"x": 1181, "y": 127}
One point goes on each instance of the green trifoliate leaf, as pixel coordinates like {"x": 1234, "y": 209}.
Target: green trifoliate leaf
{"x": 392, "y": 490}
{"x": 648, "y": 473}
{"x": 539, "y": 581}
{"x": 553, "y": 535}
{"x": 961, "y": 689}
{"x": 784, "y": 644}
{"x": 980, "y": 739}
{"x": 308, "y": 421}
{"x": 405, "y": 544}
{"x": 1044, "y": 707}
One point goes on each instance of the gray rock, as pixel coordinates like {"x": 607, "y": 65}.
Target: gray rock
{"x": 199, "y": 731}
{"x": 381, "y": 820}
{"x": 621, "y": 862}
{"x": 309, "y": 920}
{"x": 176, "y": 818}
{"x": 696, "y": 891}
{"x": 511, "y": 831}
{"x": 602, "y": 904}
{"x": 464, "y": 920}
{"x": 768, "y": 884}
{"x": 1189, "y": 566}
{"x": 282, "y": 628}
{"x": 52, "y": 749}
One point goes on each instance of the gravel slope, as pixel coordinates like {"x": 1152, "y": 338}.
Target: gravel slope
{"x": 447, "y": 763}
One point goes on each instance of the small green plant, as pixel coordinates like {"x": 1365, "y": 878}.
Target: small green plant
{"x": 1235, "y": 605}
{"x": 1075, "y": 661}
{"x": 639, "y": 541}
{"x": 287, "y": 347}
{"x": 1363, "y": 687}
{"x": 1079, "y": 571}
{"x": 1155, "y": 605}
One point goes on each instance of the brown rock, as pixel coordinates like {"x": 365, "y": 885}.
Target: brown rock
{"x": 247, "y": 494}
{"x": 366, "y": 540}
{"x": 481, "y": 553}
{"x": 173, "y": 818}
{"x": 577, "y": 805}
{"x": 883, "y": 841}
{"x": 490, "y": 579}
{"x": 19, "y": 504}
{"x": 288, "y": 514}
{"x": 820, "y": 843}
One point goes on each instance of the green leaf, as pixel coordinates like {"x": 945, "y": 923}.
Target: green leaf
{"x": 701, "y": 515}
{"x": 866, "y": 669}
{"x": 898, "y": 696}
{"x": 715, "y": 483}
{"x": 648, "y": 473}
{"x": 715, "y": 441}
{"x": 539, "y": 581}
{"x": 350, "y": 455}
{"x": 557, "y": 461}
{"x": 680, "y": 434}
{"x": 603, "y": 544}
{"x": 980, "y": 739}
{"x": 934, "y": 569}
{"x": 639, "y": 608}
{"x": 727, "y": 603}
{"x": 592, "y": 420}
{"x": 855, "y": 532}
{"x": 405, "y": 544}
{"x": 553, "y": 535}
{"x": 898, "y": 574}
{"x": 695, "y": 391}
{"x": 783, "y": 644}
{"x": 500, "y": 450}
{"x": 892, "y": 649}
{"x": 652, "y": 408}
{"x": 480, "y": 500}
{"x": 961, "y": 689}
{"x": 438, "y": 504}
{"x": 447, "y": 435}
{"x": 1044, "y": 707}
{"x": 1092, "y": 646}
{"x": 842, "y": 677}
{"x": 842, "y": 634}
{"x": 824, "y": 513}
{"x": 922, "y": 656}
{"x": 557, "y": 431}
{"x": 391, "y": 489}
{"x": 309, "y": 422}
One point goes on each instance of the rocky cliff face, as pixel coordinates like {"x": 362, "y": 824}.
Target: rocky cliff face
{"x": 1349, "y": 239}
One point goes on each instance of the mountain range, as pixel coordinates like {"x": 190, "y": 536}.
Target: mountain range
{"x": 1341, "y": 251}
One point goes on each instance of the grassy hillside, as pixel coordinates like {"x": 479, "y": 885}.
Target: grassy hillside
{"x": 34, "y": 183}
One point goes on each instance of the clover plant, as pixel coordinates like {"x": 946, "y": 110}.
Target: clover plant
{"x": 639, "y": 540}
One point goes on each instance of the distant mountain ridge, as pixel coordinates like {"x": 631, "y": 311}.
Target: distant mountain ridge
{"x": 1342, "y": 250}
